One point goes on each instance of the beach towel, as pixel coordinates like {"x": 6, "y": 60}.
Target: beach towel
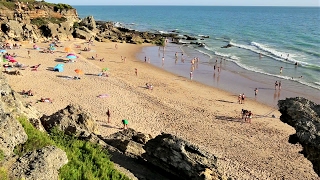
{"x": 103, "y": 96}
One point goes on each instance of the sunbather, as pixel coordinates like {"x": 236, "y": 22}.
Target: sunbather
{"x": 46, "y": 100}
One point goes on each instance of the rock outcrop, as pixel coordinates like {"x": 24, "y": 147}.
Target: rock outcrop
{"x": 41, "y": 164}
{"x": 179, "y": 157}
{"x": 304, "y": 116}
{"x": 167, "y": 153}
{"x": 11, "y": 134}
{"x": 72, "y": 120}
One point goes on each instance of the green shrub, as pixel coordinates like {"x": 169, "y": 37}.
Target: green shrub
{"x": 3, "y": 174}
{"x": 36, "y": 139}
{"x": 76, "y": 25}
{"x": 43, "y": 21}
{"x": 9, "y": 5}
{"x": 1, "y": 155}
{"x": 61, "y": 6}
{"x": 87, "y": 161}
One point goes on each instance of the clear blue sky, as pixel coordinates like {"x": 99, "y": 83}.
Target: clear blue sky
{"x": 193, "y": 2}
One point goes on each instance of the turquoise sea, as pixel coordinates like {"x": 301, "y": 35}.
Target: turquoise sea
{"x": 264, "y": 39}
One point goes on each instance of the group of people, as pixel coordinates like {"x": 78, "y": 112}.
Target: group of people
{"x": 125, "y": 122}
{"x": 246, "y": 115}
{"x": 241, "y": 98}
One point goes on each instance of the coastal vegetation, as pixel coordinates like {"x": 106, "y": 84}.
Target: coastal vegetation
{"x": 11, "y": 4}
{"x": 86, "y": 160}
{"x": 43, "y": 21}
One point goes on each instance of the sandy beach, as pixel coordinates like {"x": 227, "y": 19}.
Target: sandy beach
{"x": 203, "y": 115}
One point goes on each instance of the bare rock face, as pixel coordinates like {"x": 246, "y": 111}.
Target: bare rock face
{"x": 42, "y": 164}
{"x": 304, "y": 116}
{"x": 166, "y": 153}
{"x": 11, "y": 133}
{"x": 180, "y": 158}
{"x": 72, "y": 120}
{"x": 128, "y": 141}
{"x": 89, "y": 22}
{"x": 83, "y": 33}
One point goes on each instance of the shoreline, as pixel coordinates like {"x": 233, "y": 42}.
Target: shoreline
{"x": 175, "y": 105}
{"x": 232, "y": 78}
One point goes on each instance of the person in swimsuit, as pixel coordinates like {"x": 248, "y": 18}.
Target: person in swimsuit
{"x": 125, "y": 123}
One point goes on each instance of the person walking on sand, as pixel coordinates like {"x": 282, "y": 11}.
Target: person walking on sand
{"x": 276, "y": 85}
{"x": 191, "y": 76}
{"x": 255, "y": 91}
{"x": 136, "y": 71}
{"x": 116, "y": 46}
{"x": 242, "y": 98}
{"x": 239, "y": 99}
{"x": 108, "y": 115}
{"x": 125, "y": 123}
{"x": 29, "y": 54}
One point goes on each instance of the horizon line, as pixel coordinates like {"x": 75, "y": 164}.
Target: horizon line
{"x": 194, "y": 5}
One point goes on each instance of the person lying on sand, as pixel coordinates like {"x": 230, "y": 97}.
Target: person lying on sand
{"x": 149, "y": 86}
{"x": 28, "y": 93}
{"x": 102, "y": 60}
{"x": 49, "y": 100}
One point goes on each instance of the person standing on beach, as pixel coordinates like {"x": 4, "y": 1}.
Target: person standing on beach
{"x": 239, "y": 99}
{"x": 116, "y": 46}
{"x": 136, "y": 71}
{"x": 29, "y": 54}
{"x": 242, "y": 98}
{"x": 281, "y": 68}
{"x": 108, "y": 115}
{"x": 276, "y": 85}
{"x": 145, "y": 59}
{"x": 279, "y": 85}
{"x": 255, "y": 91}
{"x": 125, "y": 123}
{"x": 191, "y": 75}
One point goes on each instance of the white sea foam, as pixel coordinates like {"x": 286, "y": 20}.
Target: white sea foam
{"x": 227, "y": 55}
{"x": 205, "y": 53}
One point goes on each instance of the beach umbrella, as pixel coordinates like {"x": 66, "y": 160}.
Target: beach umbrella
{"x": 105, "y": 69}
{"x": 13, "y": 60}
{"x": 3, "y": 51}
{"x": 71, "y": 54}
{"x": 67, "y": 49}
{"x": 71, "y": 57}
{"x": 51, "y": 44}
{"x": 78, "y": 71}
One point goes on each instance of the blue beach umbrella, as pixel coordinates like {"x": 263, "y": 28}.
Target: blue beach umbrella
{"x": 2, "y": 51}
{"x": 71, "y": 57}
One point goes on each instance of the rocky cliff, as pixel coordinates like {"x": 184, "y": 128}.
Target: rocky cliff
{"x": 36, "y": 20}
{"x": 304, "y": 116}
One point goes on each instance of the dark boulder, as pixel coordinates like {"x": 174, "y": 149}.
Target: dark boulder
{"x": 181, "y": 158}
{"x": 304, "y": 116}
{"x": 227, "y": 46}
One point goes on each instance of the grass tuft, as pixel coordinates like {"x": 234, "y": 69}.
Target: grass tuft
{"x": 87, "y": 161}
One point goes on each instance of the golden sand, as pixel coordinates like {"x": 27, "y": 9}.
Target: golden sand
{"x": 203, "y": 115}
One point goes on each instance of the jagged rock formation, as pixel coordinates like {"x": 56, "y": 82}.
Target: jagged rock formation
{"x": 304, "y": 116}
{"x": 167, "y": 153}
{"x": 181, "y": 158}
{"x": 26, "y": 21}
{"x": 41, "y": 164}
{"x": 11, "y": 134}
{"x": 72, "y": 120}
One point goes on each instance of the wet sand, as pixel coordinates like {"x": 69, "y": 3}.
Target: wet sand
{"x": 201, "y": 114}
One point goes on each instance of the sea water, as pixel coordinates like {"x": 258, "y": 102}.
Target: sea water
{"x": 263, "y": 40}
